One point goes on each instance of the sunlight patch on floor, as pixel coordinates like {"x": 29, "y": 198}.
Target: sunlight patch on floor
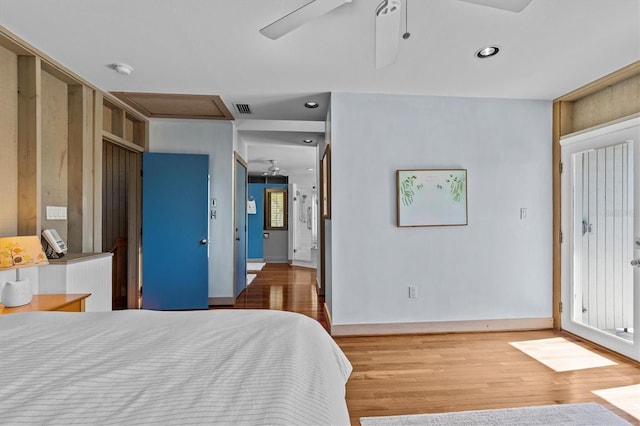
{"x": 251, "y": 266}
{"x": 250, "y": 277}
{"x": 626, "y": 398}
{"x": 561, "y": 355}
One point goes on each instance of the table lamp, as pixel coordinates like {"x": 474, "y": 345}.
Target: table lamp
{"x": 16, "y": 253}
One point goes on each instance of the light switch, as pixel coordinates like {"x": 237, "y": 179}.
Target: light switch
{"x": 56, "y": 213}
{"x": 523, "y": 213}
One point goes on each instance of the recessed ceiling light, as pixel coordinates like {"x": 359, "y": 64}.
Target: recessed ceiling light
{"x": 310, "y": 169}
{"x": 311, "y": 104}
{"x": 123, "y": 69}
{"x": 487, "y": 52}
{"x": 308, "y": 141}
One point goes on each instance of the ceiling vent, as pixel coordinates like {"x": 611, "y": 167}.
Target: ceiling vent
{"x": 243, "y": 108}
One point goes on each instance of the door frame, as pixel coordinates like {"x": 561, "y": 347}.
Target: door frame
{"x": 600, "y": 137}
{"x": 237, "y": 158}
{"x": 134, "y": 231}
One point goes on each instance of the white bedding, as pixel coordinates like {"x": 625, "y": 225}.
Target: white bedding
{"x": 145, "y": 367}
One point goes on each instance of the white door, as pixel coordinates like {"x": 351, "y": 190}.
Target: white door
{"x": 601, "y": 236}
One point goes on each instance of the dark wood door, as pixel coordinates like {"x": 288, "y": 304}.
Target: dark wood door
{"x": 118, "y": 165}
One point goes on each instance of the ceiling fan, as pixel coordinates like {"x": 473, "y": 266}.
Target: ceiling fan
{"x": 387, "y": 21}
{"x": 274, "y": 170}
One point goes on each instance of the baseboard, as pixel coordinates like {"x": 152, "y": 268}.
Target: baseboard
{"x": 261, "y": 260}
{"x": 440, "y": 327}
{"x": 222, "y": 301}
{"x": 297, "y": 265}
{"x": 327, "y": 316}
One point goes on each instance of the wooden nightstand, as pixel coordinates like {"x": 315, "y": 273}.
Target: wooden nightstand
{"x": 50, "y": 302}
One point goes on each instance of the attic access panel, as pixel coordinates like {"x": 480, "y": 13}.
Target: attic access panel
{"x": 168, "y": 105}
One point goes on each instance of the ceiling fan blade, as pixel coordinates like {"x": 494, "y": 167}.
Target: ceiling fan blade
{"x": 510, "y": 5}
{"x": 299, "y": 17}
{"x": 387, "y": 32}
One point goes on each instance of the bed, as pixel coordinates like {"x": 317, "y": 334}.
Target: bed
{"x": 147, "y": 367}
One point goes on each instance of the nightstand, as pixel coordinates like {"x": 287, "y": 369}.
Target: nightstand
{"x": 50, "y": 302}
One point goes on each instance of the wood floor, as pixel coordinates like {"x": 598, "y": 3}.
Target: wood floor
{"x": 412, "y": 374}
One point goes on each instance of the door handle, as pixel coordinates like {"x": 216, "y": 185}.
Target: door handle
{"x": 635, "y": 262}
{"x": 203, "y": 241}
{"x": 238, "y": 239}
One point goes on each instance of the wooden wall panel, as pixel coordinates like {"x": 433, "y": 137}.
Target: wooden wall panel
{"x": 611, "y": 103}
{"x": 29, "y": 144}
{"x": 8, "y": 142}
{"x": 55, "y": 148}
{"x": 80, "y": 188}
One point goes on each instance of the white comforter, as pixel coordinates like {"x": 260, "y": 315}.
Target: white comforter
{"x": 144, "y": 367}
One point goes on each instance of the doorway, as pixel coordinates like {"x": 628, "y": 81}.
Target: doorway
{"x": 121, "y": 201}
{"x": 240, "y": 226}
{"x": 601, "y": 195}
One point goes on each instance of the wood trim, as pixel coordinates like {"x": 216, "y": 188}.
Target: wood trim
{"x": 80, "y": 172}
{"x": 121, "y": 141}
{"x": 601, "y": 83}
{"x": 97, "y": 171}
{"x": 129, "y": 99}
{"x": 557, "y": 214}
{"x": 325, "y": 183}
{"x": 134, "y": 243}
{"x": 237, "y": 158}
{"x": 441, "y": 327}
{"x": 600, "y": 126}
{"x": 29, "y": 145}
{"x": 222, "y": 301}
{"x": 327, "y": 315}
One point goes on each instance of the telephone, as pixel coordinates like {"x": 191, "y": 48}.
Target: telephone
{"x": 53, "y": 245}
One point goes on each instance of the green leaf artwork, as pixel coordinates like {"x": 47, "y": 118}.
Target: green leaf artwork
{"x": 407, "y": 191}
{"x": 432, "y": 197}
{"x": 457, "y": 186}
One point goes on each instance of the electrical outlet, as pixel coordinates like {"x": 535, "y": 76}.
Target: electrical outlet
{"x": 413, "y": 292}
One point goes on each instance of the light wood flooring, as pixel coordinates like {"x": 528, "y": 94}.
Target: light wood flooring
{"x": 412, "y": 374}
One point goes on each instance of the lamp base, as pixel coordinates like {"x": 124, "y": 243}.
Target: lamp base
{"x": 16, "y": 293}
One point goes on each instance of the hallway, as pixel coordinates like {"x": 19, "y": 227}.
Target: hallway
{"x": 282, "y": 287}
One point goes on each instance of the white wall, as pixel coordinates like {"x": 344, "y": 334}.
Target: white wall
{"x": 497, "y": 267}
{"x": 217, "y": 139}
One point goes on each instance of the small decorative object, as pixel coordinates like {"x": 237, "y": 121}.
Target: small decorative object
{"x": 432, "y": 197}
{"x": 16, "y": 293}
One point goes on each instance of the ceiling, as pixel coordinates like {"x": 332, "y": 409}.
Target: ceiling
{"x": 213, "y": 47}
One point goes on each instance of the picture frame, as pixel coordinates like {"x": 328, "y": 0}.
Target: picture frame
{"x": 431, "y": 197}
{"x": 325, "y": 183}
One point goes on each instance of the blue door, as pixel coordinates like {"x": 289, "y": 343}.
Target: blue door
{"x": 175, "y": 231}
{"x": 240, "y": 269}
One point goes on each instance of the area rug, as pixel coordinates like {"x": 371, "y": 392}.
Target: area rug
{"x": 254, "y": 267}
{"x": 560, "y": 414}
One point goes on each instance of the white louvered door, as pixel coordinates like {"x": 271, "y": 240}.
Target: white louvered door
{"x": 600, "y": 198}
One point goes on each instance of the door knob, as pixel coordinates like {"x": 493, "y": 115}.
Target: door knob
{"x": 203, "y": 241}
{"x": 635, "y": 262}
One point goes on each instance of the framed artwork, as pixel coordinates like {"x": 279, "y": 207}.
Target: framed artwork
{"x": 431, "y": 197}
{"x": 325, "y": 180}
